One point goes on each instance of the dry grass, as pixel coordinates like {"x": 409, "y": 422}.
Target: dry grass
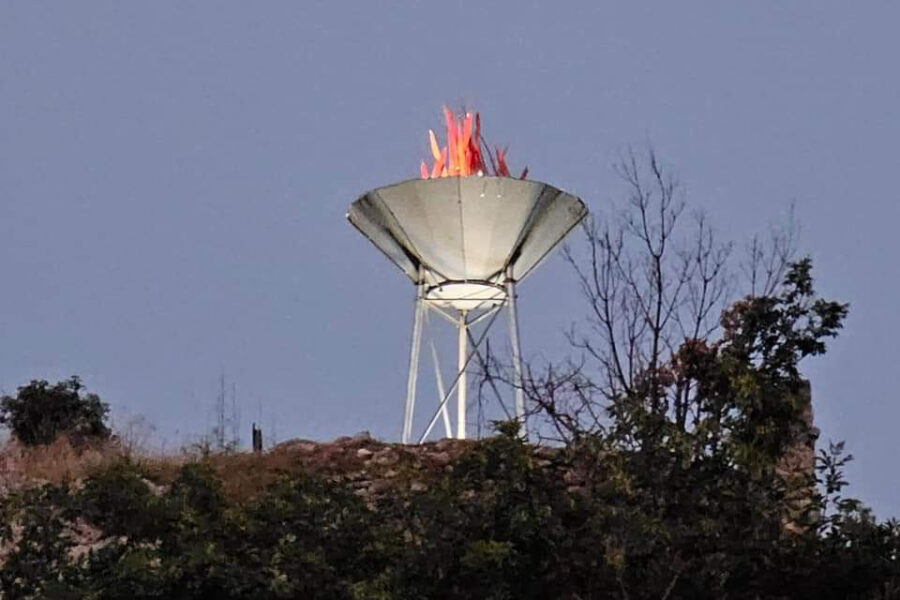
{"x": 360, "y": 461}
{"x": 62, "y": 461}
{"x": 53, "y": 463}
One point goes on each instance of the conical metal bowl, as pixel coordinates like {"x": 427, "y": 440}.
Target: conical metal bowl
{"x": 477, "y": 230}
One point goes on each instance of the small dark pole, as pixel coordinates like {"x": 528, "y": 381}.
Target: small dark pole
{"x": 257, "y": 439}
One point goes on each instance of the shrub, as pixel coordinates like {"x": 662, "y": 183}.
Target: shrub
{"x": 40, "y": 412}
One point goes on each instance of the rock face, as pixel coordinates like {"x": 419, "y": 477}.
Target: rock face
{"x": 798, "y": 465}
{"x": 368, "y": 466}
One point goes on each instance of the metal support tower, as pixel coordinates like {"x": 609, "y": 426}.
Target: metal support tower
{"x": 469, "y": 348}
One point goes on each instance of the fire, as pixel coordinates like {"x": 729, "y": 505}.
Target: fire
{"x": 464, "y": 155}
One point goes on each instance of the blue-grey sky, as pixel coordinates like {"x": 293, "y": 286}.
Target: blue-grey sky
{"x": 174, "y": 178}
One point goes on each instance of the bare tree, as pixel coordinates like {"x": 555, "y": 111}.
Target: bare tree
{"x": 225, "y": 434}
{"x": 767, "y": 258}
{"x": 656, "y": 280}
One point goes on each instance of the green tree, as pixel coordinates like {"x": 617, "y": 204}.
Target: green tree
{"x": 691, "y": 401}
{"x": 40, "y": 412}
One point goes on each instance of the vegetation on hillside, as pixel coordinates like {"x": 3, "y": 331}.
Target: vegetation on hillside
{"x": 507, "y": 521}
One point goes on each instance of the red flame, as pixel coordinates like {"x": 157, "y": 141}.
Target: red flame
{"x": 463, "y": 154}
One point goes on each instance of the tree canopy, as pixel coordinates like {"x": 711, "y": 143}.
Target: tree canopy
{"x": 41, "y": 412}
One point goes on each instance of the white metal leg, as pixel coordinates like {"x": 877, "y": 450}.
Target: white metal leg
{"x": 462, "y": 337}
{"x": 517, "y": 353}
{"x": 413, "y": 367}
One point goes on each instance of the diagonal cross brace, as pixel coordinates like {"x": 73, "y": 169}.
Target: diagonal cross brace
{"x": 446, "y": 398}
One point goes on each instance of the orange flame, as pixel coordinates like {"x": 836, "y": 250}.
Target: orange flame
{"x": 463, "y": 155}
